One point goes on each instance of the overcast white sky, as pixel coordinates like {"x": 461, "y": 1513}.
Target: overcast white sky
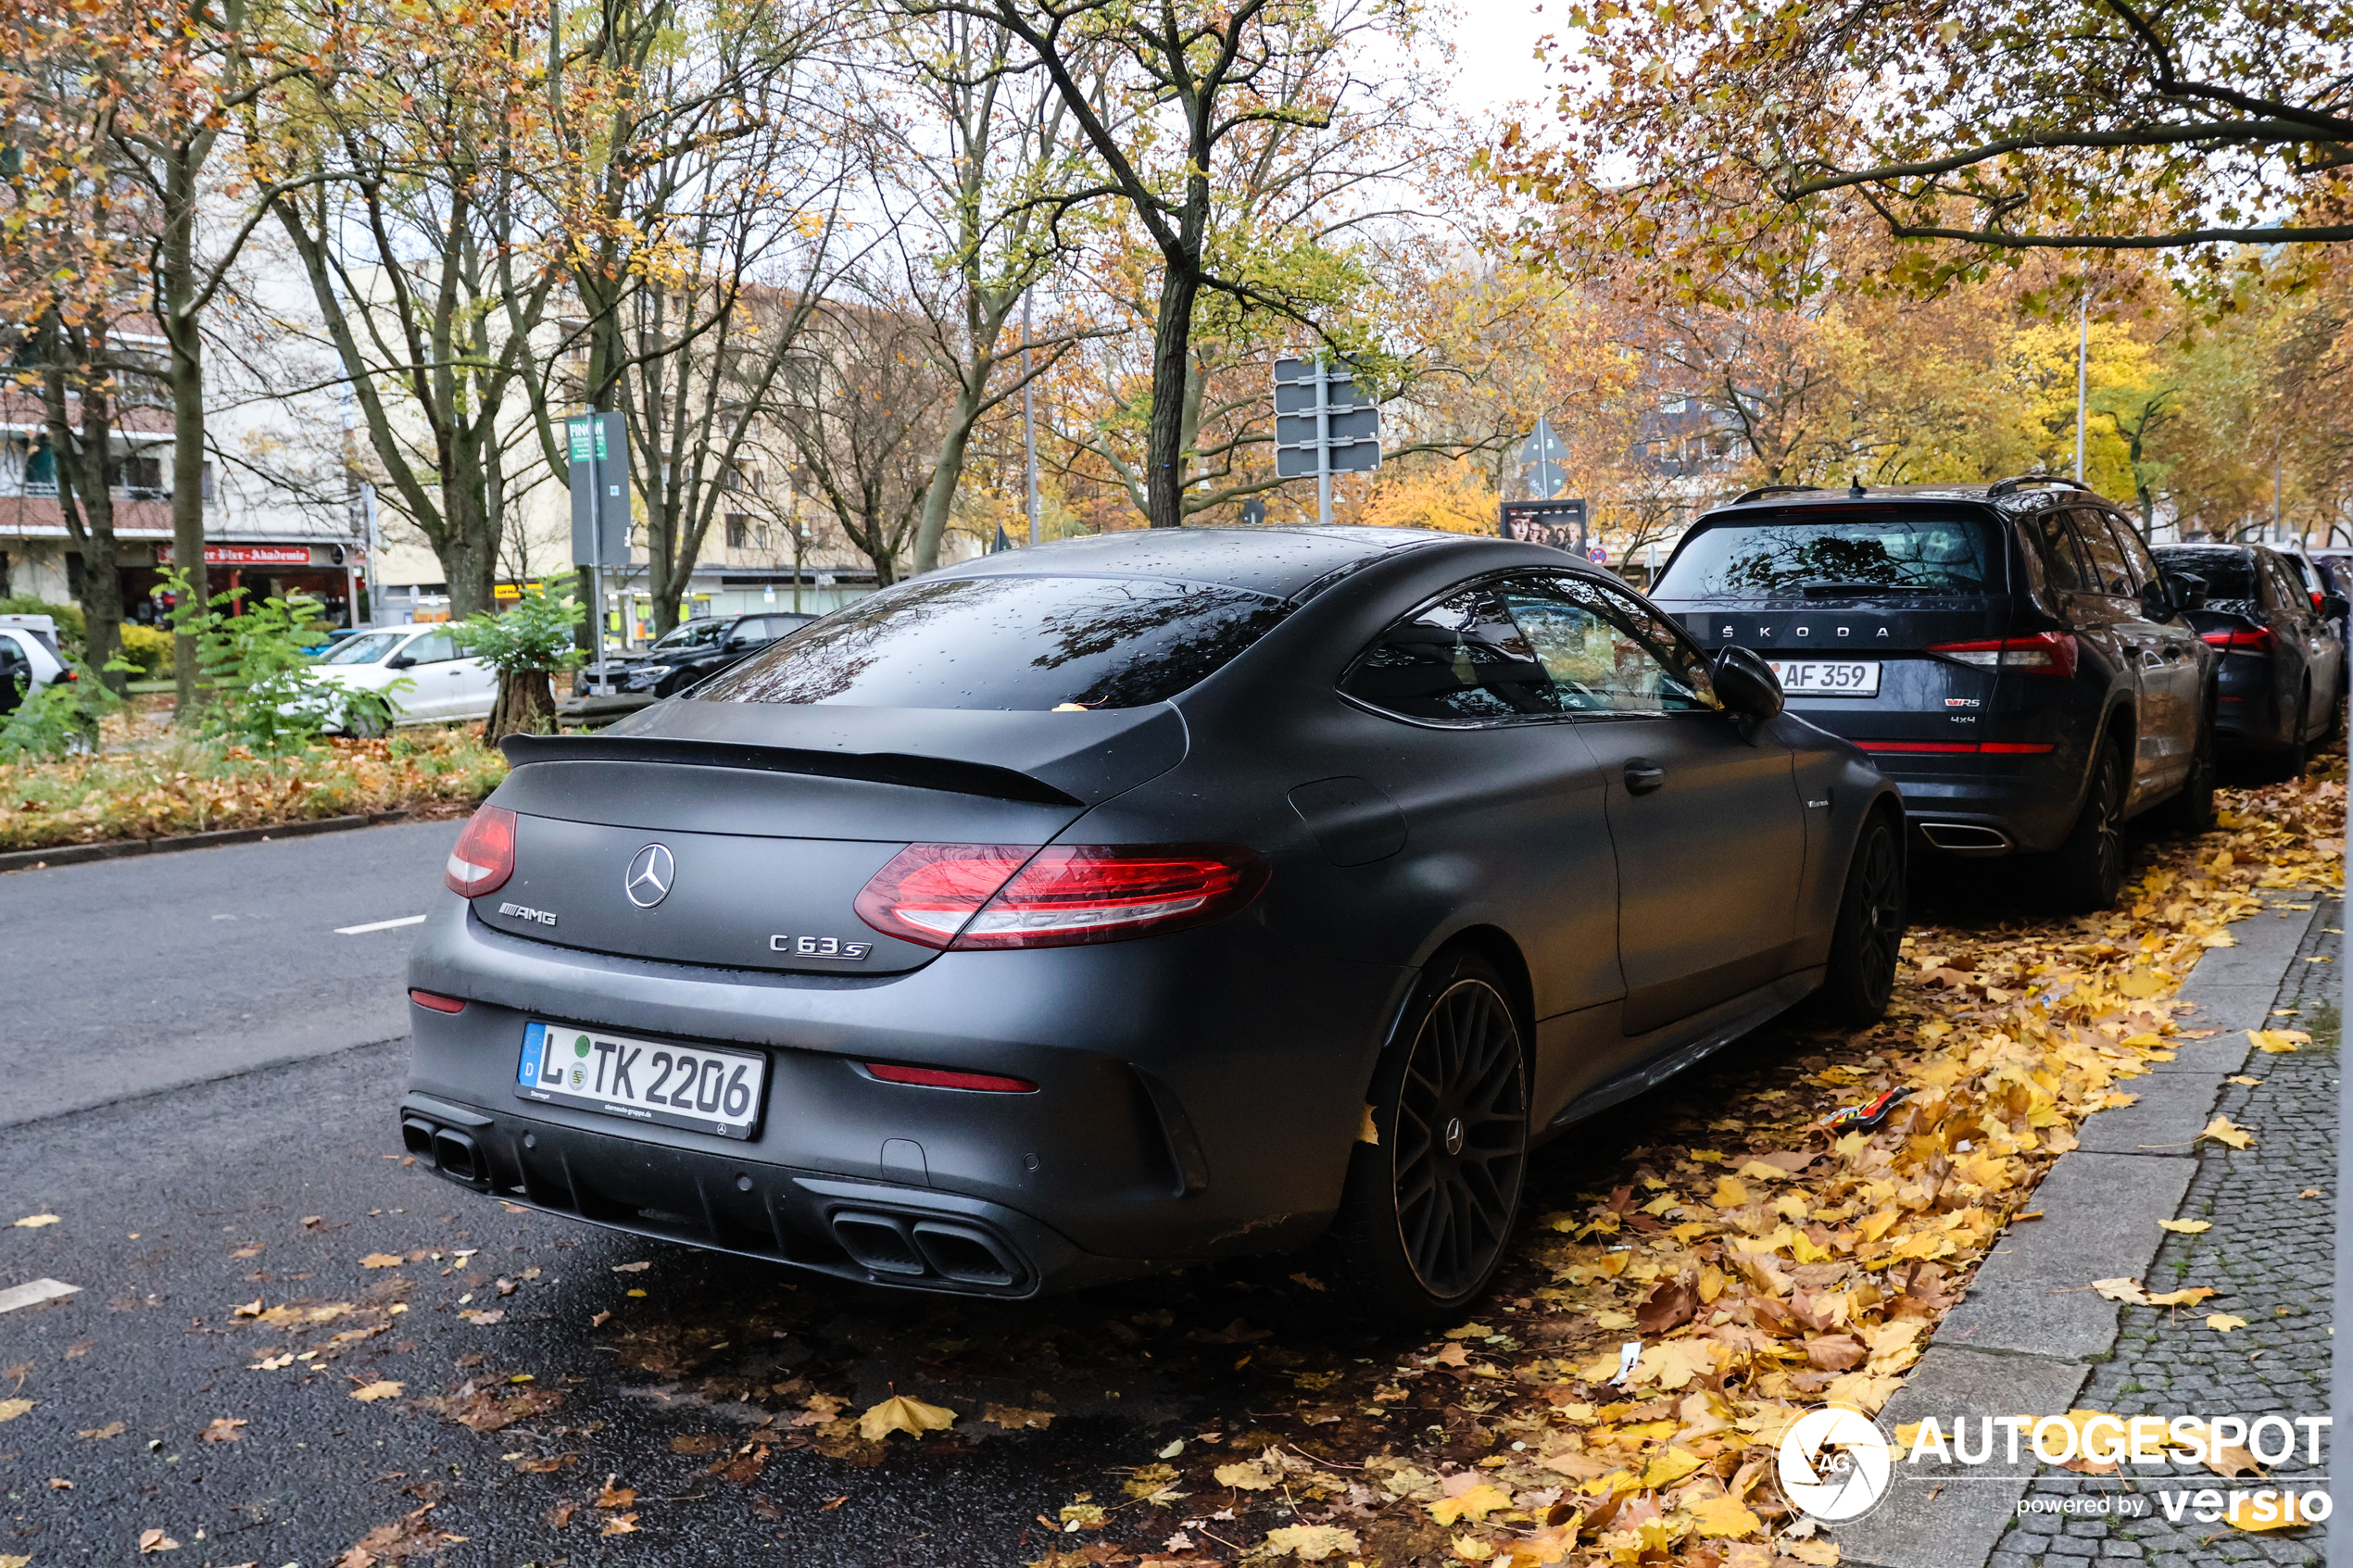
{"x": 1493, "y": 50}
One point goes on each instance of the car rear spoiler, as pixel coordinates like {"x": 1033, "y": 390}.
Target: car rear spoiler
{"x": 1046, "y": 759}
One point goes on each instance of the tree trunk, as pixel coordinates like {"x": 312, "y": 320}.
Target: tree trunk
{"x": 526, "y": 706}
{"x": 101, "y": 582}
{"x": 946, "y": 472}
{"x": 1164, "y": 437}
{"x": 186, "y": 372}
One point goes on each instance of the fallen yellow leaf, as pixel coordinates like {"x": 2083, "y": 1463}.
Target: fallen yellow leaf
{"x": 2275, "y": 1511}
{"x": 2222, "y": 1322}
{"x": 2223, "y": 1130}
{"x": 34, "y": 1222}
{"x": 2185, "y": 1227}
{"x": 382, "y": 1260}
{"x": 899, "y": 1413}
{"x": 1725, "y": 1516}
{"x": 2189, "y": 1296}
{"x": 1312, "y": 1543}
{"x": 11, "y": 1408}
{"x": 1477, "y": 1503}
{"x": 368, "y": 1394}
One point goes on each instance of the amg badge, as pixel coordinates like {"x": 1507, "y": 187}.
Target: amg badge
{"x": 520, "y": 912}
{"x": 819, "y": 947}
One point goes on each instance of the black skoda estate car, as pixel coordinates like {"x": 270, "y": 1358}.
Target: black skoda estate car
{"x": 1089, "y": 910}
{"x": 2010, "y": 653}
{"x": 2282, "y": 685}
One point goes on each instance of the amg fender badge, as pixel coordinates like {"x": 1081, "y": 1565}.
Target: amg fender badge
{"x": 545, "y": 917}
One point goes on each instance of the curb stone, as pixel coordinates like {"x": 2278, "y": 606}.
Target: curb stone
{"x": 2023, "y": 1331}
{"x": 74, "y": 853}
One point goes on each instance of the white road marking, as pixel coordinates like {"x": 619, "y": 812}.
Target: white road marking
{"x": 33, "y": 1294}
{"x": 378, "y": 925}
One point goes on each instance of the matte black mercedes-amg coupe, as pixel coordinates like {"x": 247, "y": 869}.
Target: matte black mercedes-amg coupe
{"x": 1091, "y": 909}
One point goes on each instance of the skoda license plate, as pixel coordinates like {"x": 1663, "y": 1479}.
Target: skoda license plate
{"x": 695, "y": 1086}
{"x": 1827, "y": 677}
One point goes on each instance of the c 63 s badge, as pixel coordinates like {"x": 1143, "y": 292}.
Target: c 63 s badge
{"x": 819, "y": 947}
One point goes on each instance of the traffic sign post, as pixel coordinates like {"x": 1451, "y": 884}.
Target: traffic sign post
{"x": 1320, "y": 428}
{"x": 600, "y": 475}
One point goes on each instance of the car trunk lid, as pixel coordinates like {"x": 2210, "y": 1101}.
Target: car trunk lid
{"x": 761, "y": 825}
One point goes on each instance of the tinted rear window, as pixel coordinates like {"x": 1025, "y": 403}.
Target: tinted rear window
{"x": 2228, "y": 574}
{"x": 1793, "y": 551}
{"x": 1016, "y": 644}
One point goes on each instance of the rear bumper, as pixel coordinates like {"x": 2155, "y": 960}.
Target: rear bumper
{"x": 1980, "y": 806}
{"x": 1198, "y": 1098}
{"x": 2247, "y": 711}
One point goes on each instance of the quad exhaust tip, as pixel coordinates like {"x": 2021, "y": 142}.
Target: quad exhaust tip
{"x": 451, "y": 1153}
{"x": 1966, "y": 838}
{"x": 896, "y": 1248}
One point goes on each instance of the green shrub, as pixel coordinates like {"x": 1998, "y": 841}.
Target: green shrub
{"x": 57, "y": 720}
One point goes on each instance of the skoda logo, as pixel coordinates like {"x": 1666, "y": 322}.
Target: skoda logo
{"x": 650, "y": 875}
{"x": 1834, "y": 1463}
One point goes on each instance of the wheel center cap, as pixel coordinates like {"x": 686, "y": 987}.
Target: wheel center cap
{"x": 1453, "y": 1135}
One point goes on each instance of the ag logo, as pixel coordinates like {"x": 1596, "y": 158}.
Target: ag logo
{"x": 1834, "y": 1463}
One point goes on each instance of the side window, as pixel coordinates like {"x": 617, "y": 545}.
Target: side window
{"x": 1462, "y": 661}
{"x": 2279, "y": 595}
{"x": 2141, "y": 570}
{"x": 434, "y": 648}
{"x": 2103, "y": 561}
{"x": 1536, "y": 646}
{"x": 1606, "y": 652}
{"x": 2054, "y": 548}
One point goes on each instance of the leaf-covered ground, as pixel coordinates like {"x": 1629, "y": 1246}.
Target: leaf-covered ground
{"x": 177, "y": 786}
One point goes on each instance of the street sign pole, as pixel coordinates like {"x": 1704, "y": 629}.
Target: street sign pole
{"x": 1323, "y": 441}
{"x": 599, "y": 465}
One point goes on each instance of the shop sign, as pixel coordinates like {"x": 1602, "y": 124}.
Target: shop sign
{"x": 245, "y": 554}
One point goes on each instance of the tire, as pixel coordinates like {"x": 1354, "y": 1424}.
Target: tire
{"x": 2192, "y": 811}
{"x": 2087, "y": 872}
{"x": 2289, "y": 762}
{"x": 1867, "y": 944}
{"x": 1427, "y": 1214}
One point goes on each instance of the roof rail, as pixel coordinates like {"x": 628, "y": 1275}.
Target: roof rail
{"x": 2005, "y": 486}
{"x": 1770, "y": 490}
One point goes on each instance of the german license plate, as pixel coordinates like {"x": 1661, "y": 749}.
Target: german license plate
{"x": 699, "y": 1087}
{"x": 1827, "y": 677}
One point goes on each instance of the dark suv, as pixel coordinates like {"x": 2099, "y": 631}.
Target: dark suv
{"x": 2010, "y": 653}
{"x": 685, "y": 654}
{"x": 2282, "y": 684}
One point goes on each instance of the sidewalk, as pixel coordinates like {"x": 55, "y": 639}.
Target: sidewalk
{"x": 2031, "y": 1337}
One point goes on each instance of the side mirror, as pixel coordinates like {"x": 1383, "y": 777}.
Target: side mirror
{"x": 400, "y": 661}
{"x": 2333, "y": 606}
{"x": 2188, "y": 589}
{"x": 1746, "y": 685}
{"x": 2157, "y": 600}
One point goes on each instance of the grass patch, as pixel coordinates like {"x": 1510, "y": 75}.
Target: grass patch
{"x": 193, "y": 786}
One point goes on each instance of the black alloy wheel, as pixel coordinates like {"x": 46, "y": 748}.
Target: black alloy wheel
{"x": 1868, "y": 943}
{"x": 1428, "y": 1210}
{"x": 2087, "y": 872}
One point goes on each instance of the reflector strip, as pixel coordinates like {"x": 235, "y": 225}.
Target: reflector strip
{"x": 941, "y": 1078}
{"x": 439, "y": 1003}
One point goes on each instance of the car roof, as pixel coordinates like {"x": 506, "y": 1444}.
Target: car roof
{"x": 1981, "y": 494}
{"x": 1277, "y": 561}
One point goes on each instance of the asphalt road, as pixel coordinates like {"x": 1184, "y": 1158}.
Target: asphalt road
{"x": 125, "y": 977}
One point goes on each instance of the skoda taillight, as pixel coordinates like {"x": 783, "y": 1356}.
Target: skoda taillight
{"x": 484, "y": 857}
{"x": 998, "y": 896}
{"x": 2045, "y": 653}
{"x": 2255, "y": 639}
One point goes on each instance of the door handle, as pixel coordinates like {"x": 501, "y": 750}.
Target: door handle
{"x": 1643, "y": 775}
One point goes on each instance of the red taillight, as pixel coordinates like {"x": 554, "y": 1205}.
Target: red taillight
{"x": 2045, "y": 653}
{"x": 941, "y": 1078}
{"x": 2258, "y": 640}
{"x": 966, "y": 896}
{"x": 437, "y": 1001}
{"x": 928, "y": 891}
{"x": 484, "y": 857}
